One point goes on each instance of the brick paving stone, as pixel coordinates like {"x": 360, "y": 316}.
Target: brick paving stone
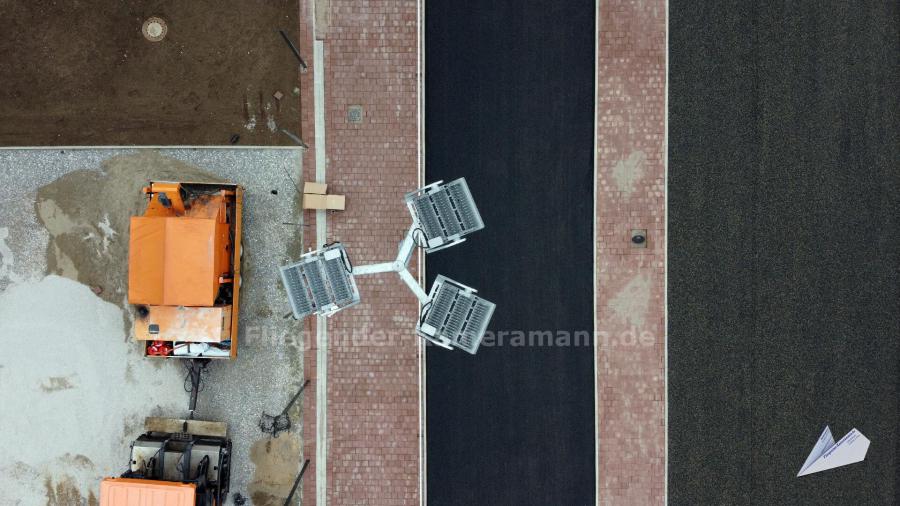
{"x": 630, "y": 292}
{"x": 373, "y": 412}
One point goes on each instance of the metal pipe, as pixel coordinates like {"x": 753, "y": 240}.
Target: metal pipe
{"x": 290, "y": 496}
{"x": 295, "y": 397}
{"x": 198, "y": 365}
{"x": 374, "y": 268}
{"x": 407, "y": 246}
{"x": 413, "y": 285}
{"x": 294, "y": 49}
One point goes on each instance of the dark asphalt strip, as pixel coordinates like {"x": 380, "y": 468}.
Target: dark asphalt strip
{"x": 509, "y": 97}
{"x": 784, "y": 248}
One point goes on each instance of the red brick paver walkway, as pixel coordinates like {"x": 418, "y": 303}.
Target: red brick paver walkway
{"x": 631, "y": 281}
{"x": 373, "y": 404}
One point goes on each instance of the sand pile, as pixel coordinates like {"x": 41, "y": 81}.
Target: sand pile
{"x": 65, "y": 374}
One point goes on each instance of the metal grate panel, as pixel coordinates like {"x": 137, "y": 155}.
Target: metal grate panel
{"x": 476, "y": 325}
{"x": 301, "y": 304}
{"x": 313, "y": 274}
{"x": 467, "y": 213}
{"x": 428, "y": 218}
{"x": 446, "y": 212}
{"x": 338, "y": 278}
{"x": 441, "y": 305}
{"x": 320, "y": 282}
{"x": 456, "y": 315}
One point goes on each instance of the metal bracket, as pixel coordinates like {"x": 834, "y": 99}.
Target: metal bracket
{"x": 400, "y": 265}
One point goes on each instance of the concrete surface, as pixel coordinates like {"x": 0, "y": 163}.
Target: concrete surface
{"x": 64, "y": 213}
{"x": 509, "y": 96}
{"x": 784, "y": 193}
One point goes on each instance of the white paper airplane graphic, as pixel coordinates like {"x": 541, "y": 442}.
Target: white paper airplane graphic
{"x": 827, "y": 454}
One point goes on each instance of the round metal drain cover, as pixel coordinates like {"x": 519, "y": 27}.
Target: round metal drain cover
{"x": 154, "y": 29}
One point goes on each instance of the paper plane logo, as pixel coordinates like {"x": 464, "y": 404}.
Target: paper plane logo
{"x": 827, "y": 454}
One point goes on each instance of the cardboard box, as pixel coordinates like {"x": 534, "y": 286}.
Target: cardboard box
{"x": 334, "y": 202}
{"x": 312, "y": 201}
{"x": 315, "y": 188}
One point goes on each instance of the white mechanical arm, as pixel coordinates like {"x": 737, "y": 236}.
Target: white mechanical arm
{"x": 400, "y": 265}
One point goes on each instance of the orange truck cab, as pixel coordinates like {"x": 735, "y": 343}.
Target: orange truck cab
{"x": 184, "y": 270}
{"x": 132, "y": 492}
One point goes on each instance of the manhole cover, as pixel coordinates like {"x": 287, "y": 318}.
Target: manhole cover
{"x": 355, "y": 114}
{"x": 154, "y": 29}
{"x": 639, "y": 238}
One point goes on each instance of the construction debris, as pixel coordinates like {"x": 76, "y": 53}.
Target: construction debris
{"x": 279, "y": 423}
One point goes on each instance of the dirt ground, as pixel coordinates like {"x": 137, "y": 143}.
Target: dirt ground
{"x": 81, "y": 73}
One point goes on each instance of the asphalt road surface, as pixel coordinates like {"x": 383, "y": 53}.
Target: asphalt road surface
{"x": 509, "y": 105}
{"x": 784, "y": 295}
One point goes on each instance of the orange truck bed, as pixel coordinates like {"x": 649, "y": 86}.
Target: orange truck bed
{"x": 132, "y": 492}
{"x": 183, "y": 263}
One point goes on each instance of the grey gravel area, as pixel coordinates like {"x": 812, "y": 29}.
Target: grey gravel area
{"x": 22, "y": 172}
{"x": 269, "y": 367}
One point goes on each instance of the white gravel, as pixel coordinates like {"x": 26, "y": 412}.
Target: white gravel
{"x": 70, "y": 402}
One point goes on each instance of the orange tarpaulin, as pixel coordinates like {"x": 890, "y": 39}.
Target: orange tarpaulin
{"x": 132, "y": 492}
{"x": 176, "y": 261}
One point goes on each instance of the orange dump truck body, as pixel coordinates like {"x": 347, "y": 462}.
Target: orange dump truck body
{"x": 132, "y": 492}
{"x": 184, "y": 254}
{"x": 176, "y": 261}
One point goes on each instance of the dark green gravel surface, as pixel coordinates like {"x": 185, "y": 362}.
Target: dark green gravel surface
{"x": 784, "y": 248}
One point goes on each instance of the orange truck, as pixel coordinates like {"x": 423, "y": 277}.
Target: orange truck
{"x": 184, "y": 270}
{"x": 184, "y": 278}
